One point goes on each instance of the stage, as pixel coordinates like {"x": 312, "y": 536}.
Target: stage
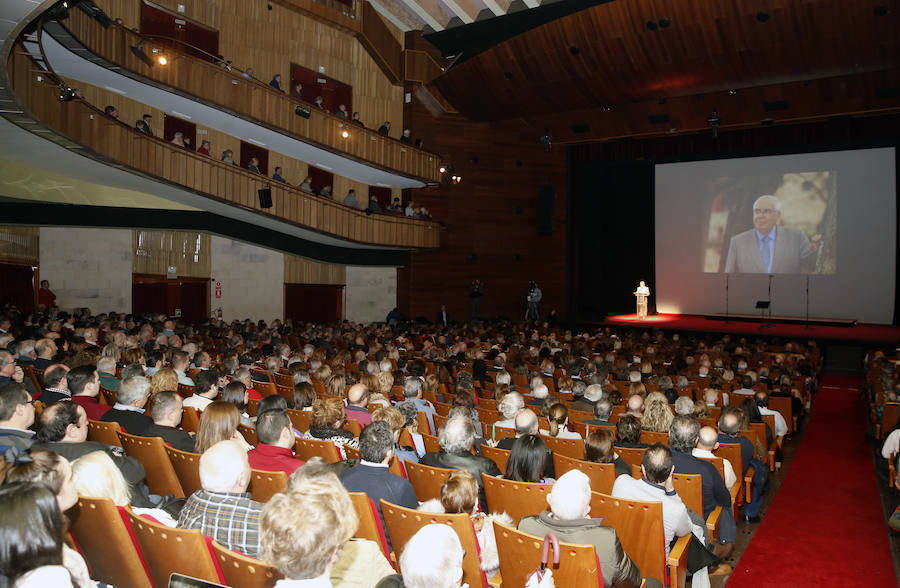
{"x": 791, "y": 327}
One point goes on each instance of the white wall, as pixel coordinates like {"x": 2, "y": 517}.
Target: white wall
{"x": 370, "y": 294}
{"x": 88, "y": 267}
{"x": 252, "y": 280}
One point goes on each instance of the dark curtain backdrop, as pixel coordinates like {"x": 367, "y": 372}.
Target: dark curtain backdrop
{"x": 611, "y": 202}
{"x": 313, "y": 302}
{"x": 17, "y": 286}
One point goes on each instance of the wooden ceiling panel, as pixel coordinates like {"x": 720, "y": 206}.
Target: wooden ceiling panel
{"x": 710, "y": 46}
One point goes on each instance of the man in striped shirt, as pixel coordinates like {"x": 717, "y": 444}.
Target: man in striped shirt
{"x": 223, "y": 509}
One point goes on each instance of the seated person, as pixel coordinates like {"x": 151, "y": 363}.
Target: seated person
{"x": 128, "y": 410}
{"x": 219, "y": 423}
{"x": 357, "y": 400}
{"x": 394, "y": 418}
{"x": 222, "y": 509}
{"x": 16, "y": 418}
{"x": 570, "y": 504}
{"x": 276, "y": 441}
{"x": 628, "y": 432}
{"x": 327, "y": 423}
{"x": 205, "y": 390}
{"x": 96, "y": 476}
{"x": 166, "y": 411}
{"x": 432, "y": 558}
{"x": 509, "y": 406}
{"x": 657, "y": 414}
{"x": 558, "y": 415}
{"x": 528, "y": 460}
{"x": 456, "y": 439}
{"x": 599, "y": 448}
{"x": 459, "y": 494}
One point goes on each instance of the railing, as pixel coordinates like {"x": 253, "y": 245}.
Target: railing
{"x": 88, "y": 126}
{"x": 253, "y": 99}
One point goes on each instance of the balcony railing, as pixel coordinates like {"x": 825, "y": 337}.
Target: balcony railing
{"x": 116, "y": 142}
{"x": 252, "y": 99}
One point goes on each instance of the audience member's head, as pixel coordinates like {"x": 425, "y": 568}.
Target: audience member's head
{"x": 273, "y": 427}
{"x": 683, "y": 433}
{"x": 432, "y": 558}
{"x": 527, "y": 460}
{"x": 708, "y": 439}
{"x": 656, "y": 463}
{"x": 219, "y": 423}
{"x": 64, "y": 422}
{"x": 598, "y": 446}
{"x": 31, "y": 533}
{"x": 224, "y": 467}
{"x": 510, "y": 405}
{"x": 96, "y": 476}
{"x": 628, "y": 429}
{"x": 134, "y": 392}
{"x": 457, "y": 435}
{"x": 526, "y": 422}
{"x": 16, "y": 406}
{"x": 684, "y": 406}
{"x": 459, "y": 494}
{"x": 570, "y": 497}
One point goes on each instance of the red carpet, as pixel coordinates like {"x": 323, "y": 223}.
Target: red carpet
{"x": 825, "y": 526}
{"x": 689, "y": 322}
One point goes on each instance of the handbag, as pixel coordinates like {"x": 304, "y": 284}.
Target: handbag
{"x": 543, "y": 577}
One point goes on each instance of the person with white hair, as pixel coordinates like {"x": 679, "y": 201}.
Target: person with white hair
{"x": 222, "y": 508}
{"x": 684, "y": 405}
{"x": 769, "y": 247}
{"x": 456, "y": 439}
{"x": 128, "y": 410}
{"x": 570, "y": 505}
{"x": 588, "y": 401}
{"x": 509, "y": 406}
{"x": 106, "y": 368}
{"x": 432, "y": 558}
{"x": 539, "y": 393}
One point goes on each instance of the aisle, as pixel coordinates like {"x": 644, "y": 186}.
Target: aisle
{"x": 824, "y": 527}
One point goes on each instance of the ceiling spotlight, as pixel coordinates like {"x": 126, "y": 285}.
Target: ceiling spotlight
{"x": 345, "y": 134}
{"x": 442, "y": 169}
{"x": 162, "y": 60}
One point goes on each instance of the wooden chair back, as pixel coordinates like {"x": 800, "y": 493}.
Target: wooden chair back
{"x": 573, "y": 448}
{"x": 249, "y": 434}
{"x": 497, "y": 455}
{"x": 353, "y": 426}
{"x": 370, "y": 526}
{"x": 517, "y": 499}
{"x": 439, "y": 421}
{"x": 639, "y": 526}
{"x": 689, "y": 488}
{"x": 432, "y": 445}
{"x": 103, "y": 538}
{"x": 31, "y": 374}
{"x": 190, "y": 419}
{"x": 785, "y": 406}
{"x": 265, "y": 388}
{"x": 104, "y": 432}
{"x": 264, "y": 485}
{"x": 769, "y": 419}
{"x": 423, "y": 424}
{"x": 576, "y": 416}
{"x": 151, "y": 452}
{"x": 442, "y": 408}
{"x": 731, "y": 452}
{"x": 426, "y": 480}
{"x": 718, "y": 462}
{"x": 108, "y": 395}
{"x": 602, "y": 475}
{"x": 187, "y": 468}
{"x": 185, "y": 390}
{"x": 243, "y": 571}
{"x": 520, "y": 554}
{"x": 751, "y": 435}
{"x": 651, "y": 437}
{"x": 253, "y": 407}
{"x": 286, "y": 392}
{"x": 167, "y": 551}
{"x": 308, "y": 448}
{"x": 631, "y": 455}
{"x": 497, "y": 433}
{"x": 488, "y": 404}
{"x": 286, "y": 380}
{"x": 300, "y": 419}
{"x": 403, "y": 523}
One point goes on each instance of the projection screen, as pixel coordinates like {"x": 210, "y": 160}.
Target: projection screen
{"x": 825, "y": 219}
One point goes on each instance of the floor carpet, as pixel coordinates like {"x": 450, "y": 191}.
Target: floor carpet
{"x": 825, "y": 526}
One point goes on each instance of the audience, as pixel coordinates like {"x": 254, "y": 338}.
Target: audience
{"x": 276, "y": 442}
{"x": 128, "y": 410}
{"x": 165, "y": 409}
{"x": 599, "y": 447}
{"x": 456, "y": 439}
{"x": 327, "y": 422}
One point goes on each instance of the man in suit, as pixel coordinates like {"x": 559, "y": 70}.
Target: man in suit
{"x": 443, "y": 318}
{"x": 165, "y": 410}
{"x": 456, "y": 439}
{"x": 144, "y": 124}
{"x": 768, "y": 248}
{"x": 129, "y": 408}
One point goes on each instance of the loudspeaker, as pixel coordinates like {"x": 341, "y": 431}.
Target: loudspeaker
{"x": 265, "y": 197}
{"x": 545, "y": 199}
{"x": 301, "y": 111}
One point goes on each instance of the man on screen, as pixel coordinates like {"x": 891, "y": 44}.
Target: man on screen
{"x": 769, "y": 248}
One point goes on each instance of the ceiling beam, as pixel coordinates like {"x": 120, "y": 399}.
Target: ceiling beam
{"x": 531, "y": 3}
{"x": 467, "y": 14}
{"x": 428, "y": 11}
{"x": 494, "y": 7}
{"x": 397, "y": 15}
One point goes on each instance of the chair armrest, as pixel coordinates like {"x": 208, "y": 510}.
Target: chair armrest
{"x": 772, "y": 460}
{"x": 496, "y": 581}
{"x": 678, "y": 562}
{"x": 748, "y": 484}
{"x": 712, "y": 523}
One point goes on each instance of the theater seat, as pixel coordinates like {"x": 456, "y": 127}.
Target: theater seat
{"x": 498, "y": 456}
{"x": 369, "y": 521}
{"x": 151, "y": 452}
{"x": 190, "y": 419}
{"x": 104, "y": 432}
{"x": 187, "y": 468}
{"x": 426, "y": 480}
{"x": 243, "y": 571}
{"x": 631, "y": 456}
{"x": 571, "y": 447}
{"x": 309, "y": 448}
{"x": 517, "y": 499}
{"x": 265, "y": 485}
{"x": 690, "y": 490}
{"x": 601, "y": 475}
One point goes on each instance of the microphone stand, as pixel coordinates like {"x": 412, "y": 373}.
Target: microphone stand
{"x": 807, "y": 327}
{"x": 769, "y": 324}
{"x": 726, "y": 299}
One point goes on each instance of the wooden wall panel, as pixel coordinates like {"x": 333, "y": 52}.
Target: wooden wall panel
{"x": 492, "y": 215}
{"x": 299, "y": 270}
{"x": 153, "y": 252}
{"x": 20, "y": 244}
{"x": 268, "y": 40}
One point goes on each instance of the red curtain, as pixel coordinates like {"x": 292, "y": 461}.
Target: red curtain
{"x": 313, "y": 302}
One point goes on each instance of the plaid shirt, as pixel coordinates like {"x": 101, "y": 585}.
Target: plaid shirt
{"x": 232, "y": 519}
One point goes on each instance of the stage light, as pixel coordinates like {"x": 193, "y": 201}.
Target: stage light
{"x": 442, "y": 169}
{"x": 65, "y": 93}
{"x": 162, "y": 60}
{"x": 345, "y": 134}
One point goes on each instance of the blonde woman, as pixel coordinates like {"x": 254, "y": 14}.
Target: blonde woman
{"x": 657, "y": 414}
{"x": 165, "y": 380}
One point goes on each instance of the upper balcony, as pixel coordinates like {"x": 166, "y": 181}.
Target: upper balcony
{"x": 199, "y": 79}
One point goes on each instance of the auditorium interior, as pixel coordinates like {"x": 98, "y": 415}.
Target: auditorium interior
{"x": 459, "y": 184}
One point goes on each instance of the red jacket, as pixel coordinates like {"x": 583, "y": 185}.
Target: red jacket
{"x": 271, "y": 458}
{"x": 91, "y": 406}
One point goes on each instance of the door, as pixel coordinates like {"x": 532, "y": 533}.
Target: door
{"x": 173, "y": 124}
{"x": 320, "y": 179}
{"x": 195, "y": 38}
{"x": 17, "y": 286}
{"x": 333, "y": 92}
{"x": 249, "y": 150}
{"x": 188, "y": 297}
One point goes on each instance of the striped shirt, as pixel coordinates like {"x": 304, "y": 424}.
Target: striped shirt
{"x": 232, "y": 519}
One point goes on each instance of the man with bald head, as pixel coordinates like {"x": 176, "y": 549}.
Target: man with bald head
{"x": 730, "y": 432}
{"x": 768, "y": 248}
{"x": 357, "y": 400}
{"x": 222, "y": 509}
{"x": 706, "y": 444}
